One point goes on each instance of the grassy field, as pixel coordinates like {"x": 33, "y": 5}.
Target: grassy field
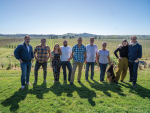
{"x": 60, "y": 97}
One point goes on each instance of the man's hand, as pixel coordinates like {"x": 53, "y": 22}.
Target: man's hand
{"x": 20, "y": 60}
{"x": 69, "y": 59}
{"x": 98, "y": 64}
{"x": 85, "y": 61}
{"x": 120, "y": 46}
{"x": 136, "y": 61}
{"x": 120, "y": 58}
{"x": 32, "y": 60}
{"x": 46, "y": 60}
{"x": 95, "y": 61}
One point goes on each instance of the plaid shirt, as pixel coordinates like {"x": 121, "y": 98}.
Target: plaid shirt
{"x": 42, "y": 53}
{"x": 79, "y": 53}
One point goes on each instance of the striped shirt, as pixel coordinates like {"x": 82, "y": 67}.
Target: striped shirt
{"x": 79, "y": 53}
{"x": 42, "y": 53}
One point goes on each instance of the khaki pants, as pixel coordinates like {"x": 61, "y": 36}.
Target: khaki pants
{"x": 122, "y": 69}
{"x": 75, "y": 64}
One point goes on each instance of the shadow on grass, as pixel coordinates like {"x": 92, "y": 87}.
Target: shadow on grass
{"x": 139, "y": 90}
{"x": 105, "y": 87}
{"x": 39, "y": 90}
{"x": 15, "y": 99}
{"x": 82, "y": 91}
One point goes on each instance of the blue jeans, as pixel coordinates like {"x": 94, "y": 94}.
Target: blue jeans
{"x": 26, "y": 68}
{"x": 103, "y": 70}
{"x": 68, "y": 65}
{"x": 87, "y": 70}
{"x": 133, "y": 67}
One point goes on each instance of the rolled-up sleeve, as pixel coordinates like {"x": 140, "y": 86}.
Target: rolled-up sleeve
{"x": 16, "y": 52}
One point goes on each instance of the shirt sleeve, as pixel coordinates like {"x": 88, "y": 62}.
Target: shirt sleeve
{"x": 140, "y": 52}
{"x": 16, "y": 52}
{"x": 32, "y": 52}
{"x": 96, "y": 49}
{"x": 99, "y": 52}
{"x": 84, "y": 49}
{"x": 115, "y": 52}
{"x": 35, "y": 50}
{"x": 73, "y": 49}
{"x": 49, "y": 51}
{"x": 70, "y": 50}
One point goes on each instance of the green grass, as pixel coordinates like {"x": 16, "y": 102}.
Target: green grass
{"x": 60, "y": 97}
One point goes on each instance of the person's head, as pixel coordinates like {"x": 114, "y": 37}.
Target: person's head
{"x": 133, "y": 39}
{"x": 65, "y": 43}
{"x": 79, "y": 40}
{"x": 124, "y": 42}
{"x": 104, "y": 44}
{"x": 91, "y": 40}
{"x": 57, "y": 48}
{"x": 43, "y": 41}
{"x": 27, "y": 39}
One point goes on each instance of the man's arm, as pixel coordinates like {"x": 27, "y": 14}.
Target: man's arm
{"x": 85, "y": 58}
{"x": 139, "y": 54}
{"x": 34, "y": 53}
{"x": 16, "y": 53}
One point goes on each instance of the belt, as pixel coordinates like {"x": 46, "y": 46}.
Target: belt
{"x": 26, "y": 60}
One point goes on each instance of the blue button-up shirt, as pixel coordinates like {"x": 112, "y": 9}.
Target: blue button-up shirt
{"x": 79, "y": 53}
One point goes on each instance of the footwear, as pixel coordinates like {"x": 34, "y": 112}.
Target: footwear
{"x": 79, "y": 81}
{"x": 29, "y": 83}
{"x": 116, "y": 82}
{"x": 92, "y": 79}
{"x": 86, "y": 79}
{"x": 122, "y": 81}
{"x": 22, "y": 87}
{"x": 99, "y": 81}
{"x": 71, "y": 84}
{"x": 134, "y": 85}
{"x": 45, "y": 81}
{"x": 129, "y": 81}
{"x": 34, "y": 81}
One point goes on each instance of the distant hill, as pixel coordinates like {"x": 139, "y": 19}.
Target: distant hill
{"x": 75, "y": 35}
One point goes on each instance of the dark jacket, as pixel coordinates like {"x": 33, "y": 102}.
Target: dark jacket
{"x": 21, "y": 52}
{"x": 134, "y": 52}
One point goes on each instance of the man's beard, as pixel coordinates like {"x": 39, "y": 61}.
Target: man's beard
{"x": 65, "y": 45}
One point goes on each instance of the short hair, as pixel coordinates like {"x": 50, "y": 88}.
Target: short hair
{"x": 43, "y": 39}
{"x": 134, "y": 37}
{"x": 104, "y": 43}
{"x": 91, "y": 37}
{"x": 26, "y": 37}
{"x": 79, "y": 38}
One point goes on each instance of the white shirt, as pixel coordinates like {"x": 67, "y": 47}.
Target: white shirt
{"x": 103, "y": 59}
{"x": 66, "y": 51}
{"x": 28, "y": 48}
{"x": 91, "y": 52}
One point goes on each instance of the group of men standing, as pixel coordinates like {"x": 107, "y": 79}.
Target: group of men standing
{"x": 81, "y": 54}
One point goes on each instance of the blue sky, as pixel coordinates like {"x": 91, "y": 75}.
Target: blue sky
{"x": 102, "y": 17}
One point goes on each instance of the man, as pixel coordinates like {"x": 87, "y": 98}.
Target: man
{"x": 24, "y": 54}
{"x": 79, "y": 56}
{"x": 43, "y": 54}
{"x": 92, "y": 52}
{"x": 65, "y": 59}
{"x": 134, "y": 54}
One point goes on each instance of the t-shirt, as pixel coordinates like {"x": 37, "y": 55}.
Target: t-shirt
{"x": 28, "y": 48}
{"x": 91, "y": 51}
{"x": 103, "y": 59}
{"x": 66, "y": 51}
